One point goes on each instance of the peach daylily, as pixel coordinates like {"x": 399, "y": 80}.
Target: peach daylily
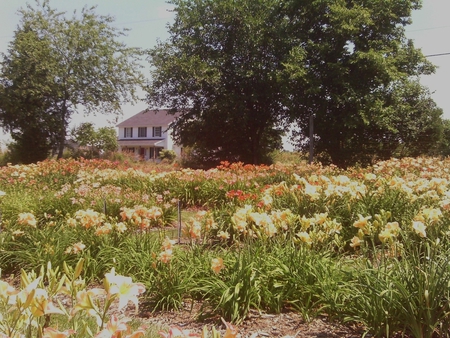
{"x": 124, "y": 288}
{"x": 267, "y": 200}
{"x": 370, "y": 177}
{"x": 18, "y": 233}
{"x": 165, "y": 256}
{"x": 419, "y": 228}
{"x": 362, "y": 223}
{"x": 104, "y": 229}
{"x": 356, "y": 241}
{"x": 432, "y": 214}
{"x": 121, "y": 227}
{"x": 6, "y": 290}
{"x": 217, "y": 265}
{"x": 231, "y": 331}
{"x": 210, "y": 223}
{"x": 304, "y": 237}
{"x": 85, "y": 301}
{"x": 195, "y": 230}
{"x": 320, "y": 218}
{"x": 270, "y": 229}
{"x": 177, "y": 332}
{"x": 127, "y": 213}
{"x": 50, "y": 332}
{"x": 72, "y": 222}
{"x": 306, "y": 222}
{"x": 27, "y": 218}
{"x": 393, "y": 227}
{"x": 154, "y": 213}
{"x": 168, "y": 243}
{"x": 114, "y": 328}
{"x": 76, "y": 248}
{"x": 385, "y": 235}
{"x": 25, "y": 296}
{"x": 224, "y": 235}
{"x": 312, "y": 191}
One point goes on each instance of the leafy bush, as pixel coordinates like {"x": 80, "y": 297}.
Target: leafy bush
{"x": 167, "y": 155}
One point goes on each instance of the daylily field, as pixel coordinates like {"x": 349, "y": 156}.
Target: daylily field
{"x": 366, "y": 247}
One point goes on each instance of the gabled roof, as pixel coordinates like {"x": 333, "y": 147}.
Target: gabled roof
{"x": 149, "y": 117}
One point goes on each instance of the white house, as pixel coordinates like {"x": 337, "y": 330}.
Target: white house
{"x": 147, "y": 133}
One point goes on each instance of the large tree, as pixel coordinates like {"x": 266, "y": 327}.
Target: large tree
{"x": 57, "y": 64}
{"x": 219, "y": 70}
{"x": 27, "y": 107}
{"x": 351, "y": 57}
{"x": 237, "y": 69}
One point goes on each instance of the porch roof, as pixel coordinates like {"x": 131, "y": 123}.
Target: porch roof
{"x": 141, "y": 143}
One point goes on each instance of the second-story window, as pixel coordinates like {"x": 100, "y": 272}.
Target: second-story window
{"x": 128, "y": 132}
{"x": 157, "y": 131}
{"x": 142, "y": 132}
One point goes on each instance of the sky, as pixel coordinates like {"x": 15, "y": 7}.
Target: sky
{"x": 148, "y": 20}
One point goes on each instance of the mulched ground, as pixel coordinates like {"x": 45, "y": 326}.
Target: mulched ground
{"x": 256, "y": 325}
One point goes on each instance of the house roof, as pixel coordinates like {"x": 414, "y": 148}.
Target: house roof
{"x": 149, "y": 117}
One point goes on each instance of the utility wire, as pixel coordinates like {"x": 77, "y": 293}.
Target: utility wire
{"x": 432, "y": 55}
{"x": 425, "y": 29}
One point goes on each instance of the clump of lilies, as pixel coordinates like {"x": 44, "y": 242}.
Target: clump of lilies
{"x": 29, "y": 307}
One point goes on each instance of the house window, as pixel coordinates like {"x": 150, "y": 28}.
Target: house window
{"x": 142, "y": 132}
{"x": 128, "y": 132}
{"x": 157, "y": 131}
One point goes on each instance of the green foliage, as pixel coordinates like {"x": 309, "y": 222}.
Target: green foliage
{"x": 407, "y": 294}
{"x": 238, "y": 81}
{"x": 239, "y": 291}
{"x": 354, "y": 58}
{"x": 416, "y": 122}
{"x": 92, "y": 143}
{"x": 220, "y": 69}
{"x": 444, "y": 144}
{"x": 56, "y": 63}
{"x": 167, "y": 155}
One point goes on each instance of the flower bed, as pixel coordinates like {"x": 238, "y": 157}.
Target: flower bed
{"x": 366, "y": 246}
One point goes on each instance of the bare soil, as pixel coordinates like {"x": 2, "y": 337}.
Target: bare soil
{"x": 256, "y": 325}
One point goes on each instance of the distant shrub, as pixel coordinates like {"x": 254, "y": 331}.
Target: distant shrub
{"x": 167, "y": 155}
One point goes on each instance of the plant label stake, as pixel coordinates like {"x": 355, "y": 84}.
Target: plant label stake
{"x": 179, "y": 222}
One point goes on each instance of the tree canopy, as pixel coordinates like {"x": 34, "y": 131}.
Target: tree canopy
{"x": 351, "y": 59}
{"x": 94, "y": 142}
{"x": 57, "y": 64}
{"x": 219, "y": 69}
{"x": 240, "y": 70}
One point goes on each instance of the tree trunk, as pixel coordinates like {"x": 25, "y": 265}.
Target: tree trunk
{"x": 62, "y": 135}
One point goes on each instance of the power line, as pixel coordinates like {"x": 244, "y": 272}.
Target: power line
{"x": 441, "y": 54}
{"x": 425, "y": 29}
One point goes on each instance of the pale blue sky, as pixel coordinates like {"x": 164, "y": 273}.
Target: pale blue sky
{"x": 148, "y": 21}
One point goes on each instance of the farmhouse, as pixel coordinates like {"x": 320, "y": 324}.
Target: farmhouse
{"x": 147, "y": 133}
